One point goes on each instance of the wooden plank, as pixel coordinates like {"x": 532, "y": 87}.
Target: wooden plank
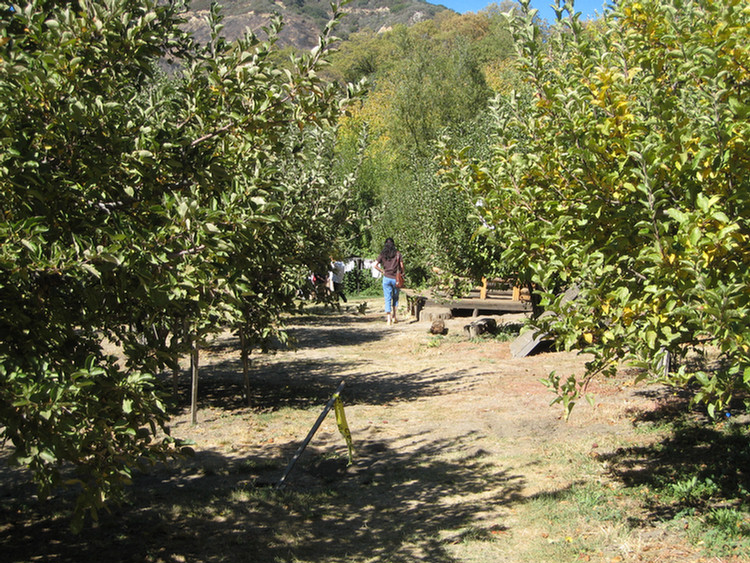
{"x": 526, "y": 342}
{"x": 506, "y": 305}
{"x": 498, "y": 303}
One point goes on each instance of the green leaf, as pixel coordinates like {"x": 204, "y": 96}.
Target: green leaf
{"x": 127, "y": 406}
{"x": 29, "y": 245}
{"x": 91, "y": 269}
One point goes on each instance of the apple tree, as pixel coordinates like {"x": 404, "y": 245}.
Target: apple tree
{"x": 622, "y": 168}
{"x": 146, "y": 195}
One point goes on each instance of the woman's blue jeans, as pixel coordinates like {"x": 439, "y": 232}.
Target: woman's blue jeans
{"x": 390, "y": 292}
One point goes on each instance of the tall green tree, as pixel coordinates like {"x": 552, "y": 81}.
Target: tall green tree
{"x": 138, "y": 205}
{"x": 425, "y": 81}
{"x": 623, "y": 170}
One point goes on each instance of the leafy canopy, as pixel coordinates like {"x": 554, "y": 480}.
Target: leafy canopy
{"x": 425, "y": 80}
{"x": 622, "y": 168}
{"x": 151, "y": 190}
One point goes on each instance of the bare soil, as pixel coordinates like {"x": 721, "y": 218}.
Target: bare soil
{"x": 457, "y": 450}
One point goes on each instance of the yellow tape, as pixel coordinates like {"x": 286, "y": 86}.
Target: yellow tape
{"x": 338, "y": 407}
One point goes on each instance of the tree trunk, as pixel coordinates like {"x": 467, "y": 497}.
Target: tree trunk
{"x": 194, "y": 372}
{"x": 535, "y": 298}
{"x": 178, "y": 338}
{"x": 245, "y": 364}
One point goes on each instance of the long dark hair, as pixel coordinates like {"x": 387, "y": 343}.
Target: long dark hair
{"x": 389, "y": 249}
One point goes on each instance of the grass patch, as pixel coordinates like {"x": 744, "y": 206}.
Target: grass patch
{"x": 500, "y": 335}
{"x": 366, "y": 293}
{"x": 435, "y": 342}
{"x": 695, "y": 479}
{"x": 576, "y": 522}
{"x": 693, "y": 483}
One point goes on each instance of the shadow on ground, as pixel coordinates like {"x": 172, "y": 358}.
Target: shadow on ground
{"x": 309, "y": 383}
{"x": 391, "y": 505}
{"x": 286, "y": 380}
{"x": 406, "y": 499}
{"x": 403, "y": 500}
{"x": 699, "y": 463}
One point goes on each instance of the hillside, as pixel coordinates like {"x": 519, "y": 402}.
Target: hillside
{"x": 304, "y": 19}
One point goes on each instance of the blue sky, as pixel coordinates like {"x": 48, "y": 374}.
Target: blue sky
{"x": 588, "y": 8}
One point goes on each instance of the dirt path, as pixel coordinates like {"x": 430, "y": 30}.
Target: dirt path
{"x": 451, "y": 435}
{"x": 458, "y": 458}
{"x": 402, "y": 381}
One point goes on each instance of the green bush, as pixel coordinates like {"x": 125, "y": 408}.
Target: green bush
{"x": 361, "y": 282}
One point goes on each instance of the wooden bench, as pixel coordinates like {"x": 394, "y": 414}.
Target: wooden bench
{"x": 502, "y": 284}
{"x": 429, "y": 305}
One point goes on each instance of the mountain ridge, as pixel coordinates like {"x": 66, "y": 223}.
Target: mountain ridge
{"x": 304, "y": 20}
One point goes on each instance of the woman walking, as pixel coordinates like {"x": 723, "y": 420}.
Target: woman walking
{"x": 390, "y": 263}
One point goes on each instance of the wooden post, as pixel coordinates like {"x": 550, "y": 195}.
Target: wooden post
{"x": 665, "y": 362}
{"x": 483, "y": 291}
{"x": 516, "y": 293}
{"x": 175, "y": 378}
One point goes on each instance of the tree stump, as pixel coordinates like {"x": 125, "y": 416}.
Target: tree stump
{"x": 432, "y": 313}
{"x": 438, "y": 327}
{"x": 480, "y": 327}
